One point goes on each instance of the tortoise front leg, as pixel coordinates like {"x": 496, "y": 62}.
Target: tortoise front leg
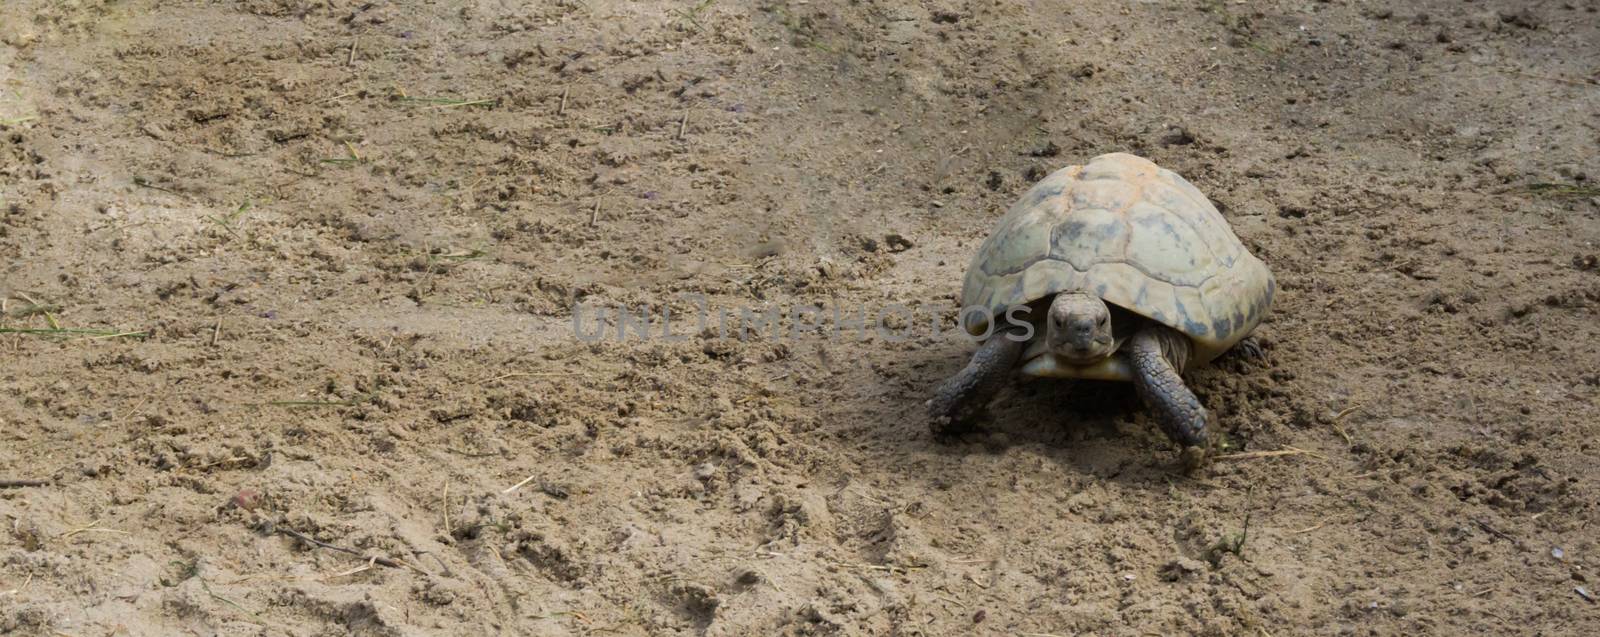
{"x": 961, "y": 398}
{"x": 1156, "y": 353}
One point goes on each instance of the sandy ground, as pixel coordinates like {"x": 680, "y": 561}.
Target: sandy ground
{"x": 353, "y": 234}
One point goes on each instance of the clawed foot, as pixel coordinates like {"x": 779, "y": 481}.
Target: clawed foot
{"x": 1192, "y": 458}
{"x": 1251, "y": 348}
{"x": 944, "y": 421}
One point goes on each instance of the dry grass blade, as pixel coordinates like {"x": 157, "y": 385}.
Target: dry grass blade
{"x": 18, "y": 589}
{"x": 518, "y": 485}
{"x": 73, "y": 332}
{"x": 227, "y": 222}
{"x": 1339, "y": 418}
{"x": 448, "y": 102}
{"x": 225, "y": 600}
{"x": 364, "y": 567}
{"x": 1286, "y": 451}
{"x": 92, "y": 526}
{"x": 33, "y": 309}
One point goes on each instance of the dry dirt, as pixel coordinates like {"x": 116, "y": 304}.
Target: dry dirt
{"x": 353, "y": 233}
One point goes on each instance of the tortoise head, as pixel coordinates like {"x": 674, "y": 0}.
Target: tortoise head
{"x": 1078, "y": 328}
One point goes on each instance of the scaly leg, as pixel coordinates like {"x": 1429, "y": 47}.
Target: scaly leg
{"x": 961, "y": 398}
{"x": 1157, "y": 353}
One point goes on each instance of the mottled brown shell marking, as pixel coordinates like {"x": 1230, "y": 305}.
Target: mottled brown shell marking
{"x": 1135, "y": 234}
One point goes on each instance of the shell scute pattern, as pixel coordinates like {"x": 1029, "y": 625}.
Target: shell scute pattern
{"x": 1095, "y": 235}
{"x": 1168, "y": 249}
{"x": 1139, "y": 236}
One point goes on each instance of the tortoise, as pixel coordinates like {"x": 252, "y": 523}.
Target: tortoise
{"x": 1118, "y": 270}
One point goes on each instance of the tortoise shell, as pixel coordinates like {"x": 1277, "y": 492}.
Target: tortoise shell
{"x": 1140, "y": 237}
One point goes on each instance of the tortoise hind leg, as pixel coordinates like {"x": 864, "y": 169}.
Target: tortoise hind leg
{"x": 961, "y": 398}
{"x": 1157, "y": 353}
{"x": 1250, "y": 347}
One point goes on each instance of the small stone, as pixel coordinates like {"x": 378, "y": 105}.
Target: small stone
{"x": 1177, "y": 136}
{"x": 1049, "y": 149}
{"x": 897, "y": 242}
{"x": 1558, "y": 553}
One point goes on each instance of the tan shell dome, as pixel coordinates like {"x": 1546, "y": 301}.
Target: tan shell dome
{"x": 1137, "y": 235}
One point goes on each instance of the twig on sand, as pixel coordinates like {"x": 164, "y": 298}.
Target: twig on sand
{"x": 1555, "y": 190}
{"x": 1494, "y": 531}
{"x": 519, "y": 375}
{"x": 1551, "y": 78}
{"x": 887, "y": 568}
{"x": 15, "y": 484}
{"x": 67, "y": 331}
{"x": 144, "y": 182}
{"x": 1286, "y": 451}
{"x": 376, "y": 559}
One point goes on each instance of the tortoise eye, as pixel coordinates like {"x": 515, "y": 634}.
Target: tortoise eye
{"x": 1105, "y": 319}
